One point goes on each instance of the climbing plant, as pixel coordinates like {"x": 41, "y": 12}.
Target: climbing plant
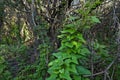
{"x": 67, "y": 64}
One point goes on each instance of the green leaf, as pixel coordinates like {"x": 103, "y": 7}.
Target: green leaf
{"x": 51, "y": 63}
{"x": 2, "y": 67}
{"x": 67, "y": 62}
{"x": 61, "y": 70}
{"x": 74, "y": 59}
{"x": 102, "y": 46}
{"x": 2, "y": 60}
{"x": 65, "y": 75}
{"x": 70, "y": 37}
{"x": 103, "y": 53}
{"x": 66, "y": 55}
{"x": 84, "y": 51}
{"x": 71, "y": 31}
{"x": 52, "y": 77}
{"x": 76, "y": 77}
{"x": 71, "y": 18}
{"x": 58, "y": 55}
{"x": 75, "y": 43}
{"x": 87, "y": 79}
{"x": 87, "y": 27}
{"x": 68, "y": 44}
{"x": 58, "y": 61}
{"x": 95, "y": 19}
{"x": 97, "y": 45}
{"x": 60, "y": 36}
{"x": 73, "y": 68}
{"x": 54, "y": 69}
{"x": 81, "y": 70}
{"x": 80, "y": 36}
{"x": 70, "y": 25}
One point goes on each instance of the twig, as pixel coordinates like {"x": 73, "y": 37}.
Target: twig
{"x": 32, "y": 12}
{"x": 103, "y": 72}
{"x": 99, "y": 73}
{"x": 113, "y": 73}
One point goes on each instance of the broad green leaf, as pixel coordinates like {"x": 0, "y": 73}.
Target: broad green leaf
{"x": 68, "y": 44}
{"x": 70, "y": 25}
{"x": 56, "y": 61}
{"x": 60, "y": 36}
{"x": 70, "y": 37}
{"x": 52, "y": 77}
{"x": 58, "y": 55}
{"x": 54, "y": 69}
{"x": 80, "y": 36}
{"x": 65, "y": 75}
{"x": 71, "y": 31}
{"x": 73, "y": 68}
{"x": 61, "y": 70}
{"x": 66, "y": 55}
{"x": 62, "y": 47}
{"x": 71, "y": 18}
{"x": 51, "y": 63}
{"x": 81, "y": 70}
{"x": 84, "y": 51}
{"x": 75, "y": 44}
{"x": 95, "y": 19}
{"x": 67, "y": 62}
{"x": 76, "y": 77}
{"x": 74, "y": 59}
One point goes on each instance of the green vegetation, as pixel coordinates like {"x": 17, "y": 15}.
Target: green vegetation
{"x": 59, "y": 40}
